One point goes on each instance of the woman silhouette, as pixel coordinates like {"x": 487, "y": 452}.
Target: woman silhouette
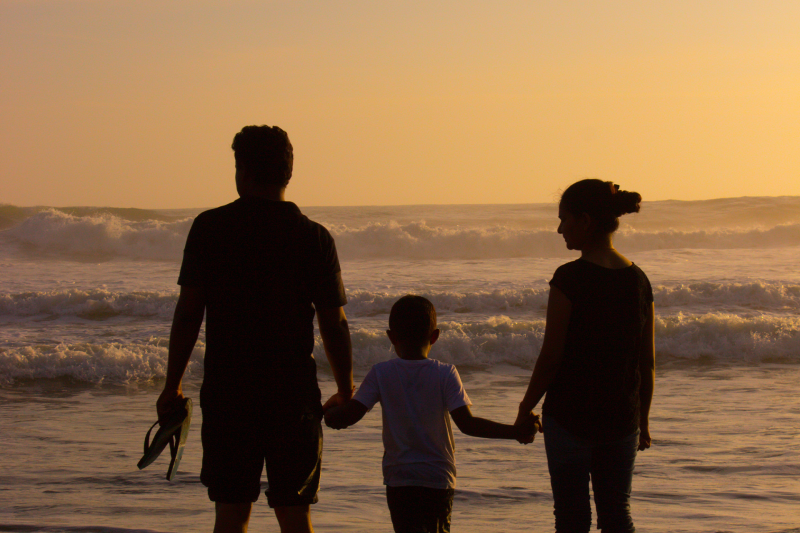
{"x": 597, "y": 364}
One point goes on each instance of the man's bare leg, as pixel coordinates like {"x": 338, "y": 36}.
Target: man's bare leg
{"x": 232, "y": 517}
{"x": 294, "y": 519}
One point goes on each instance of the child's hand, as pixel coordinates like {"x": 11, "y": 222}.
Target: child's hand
{"x": 344, "y": 415}
{"x": 527, "y": 426}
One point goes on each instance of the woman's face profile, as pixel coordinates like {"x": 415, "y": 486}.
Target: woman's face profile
{"x": 572, "y": 228}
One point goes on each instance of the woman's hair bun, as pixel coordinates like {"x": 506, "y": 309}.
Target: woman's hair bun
{"x": 602, "y": 200}
{"x": 626, "y": 202}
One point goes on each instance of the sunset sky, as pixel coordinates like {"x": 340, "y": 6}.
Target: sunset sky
{"x": 135, "y": 103}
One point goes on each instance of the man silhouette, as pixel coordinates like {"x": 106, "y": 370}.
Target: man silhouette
{"x": 260, "y": 270}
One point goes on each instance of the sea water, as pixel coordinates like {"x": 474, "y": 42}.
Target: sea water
{"x": 87, "y": 296}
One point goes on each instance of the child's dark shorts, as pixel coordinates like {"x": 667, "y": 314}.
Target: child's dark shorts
{"x": 236, "y": 445}
{"x": 420, "y": 509}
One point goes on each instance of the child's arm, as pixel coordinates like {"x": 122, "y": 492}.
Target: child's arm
{"x": 481, "y": 427}
{"x": 345, "y": 415}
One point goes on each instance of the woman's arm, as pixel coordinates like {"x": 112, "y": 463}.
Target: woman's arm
{"x": 489, "y": 429}
{"x": 647, "y": 369}
{"x": 559, "y": 309}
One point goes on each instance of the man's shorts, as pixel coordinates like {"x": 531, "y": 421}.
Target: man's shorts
{"x": 236, "y": 444}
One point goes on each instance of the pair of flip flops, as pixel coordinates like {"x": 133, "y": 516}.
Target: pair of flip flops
{"x": 172, "y": 432}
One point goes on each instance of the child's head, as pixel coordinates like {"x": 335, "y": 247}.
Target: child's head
{"x": 412, "y": 323}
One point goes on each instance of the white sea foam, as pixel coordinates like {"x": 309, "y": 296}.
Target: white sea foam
{"x": 92, "y": 304}
{"x": 419, "y": 241}
{"x": 93, "y": 363}
{"x": 102, "y": 303}
{"x": 718, "y": 338}
{"x": 107, "y": 235}
{"x": 102, "y": 235}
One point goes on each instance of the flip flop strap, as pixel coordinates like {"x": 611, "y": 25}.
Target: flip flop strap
{"x": 147, "y": 437}
{"x": 173, "y": 448}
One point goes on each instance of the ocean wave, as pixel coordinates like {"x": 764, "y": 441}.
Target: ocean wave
{"x": 728, "y": 338}
{"x": 756, "y": 295}
{"x": 93, "y": 363}
{"x": 91, "y": 304}
{"x": 417, "y": 240}
{"x": 101, "y": 303}
{"x": 694, "y": 339}
{"x": 761, "y": 296}
{"x": 107, "y": 235}
{"x": 102, "y": 236}
{"x": 712, "y": 338}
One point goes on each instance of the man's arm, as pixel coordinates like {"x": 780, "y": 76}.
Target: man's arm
{"x": 182, "y": 338}
{"x": 481, "y": 427}
{"x": 336, "y": 340}
{"x": 559, "y": 309}
{"x": 647, "y": 369}
{"x": 342, "y": 416}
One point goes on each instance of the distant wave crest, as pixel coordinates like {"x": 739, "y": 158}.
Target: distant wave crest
{"x": 91, "y": 304}
{"x": 682, "y": 339}
{"x": 101, "y": 236}
{"x": 105, "y": 235}
{"x": 419, "y": 241}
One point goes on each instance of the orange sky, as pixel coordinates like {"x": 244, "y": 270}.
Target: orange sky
{"x": 135, "y": 103}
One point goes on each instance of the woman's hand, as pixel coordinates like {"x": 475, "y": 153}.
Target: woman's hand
{"x": 644, "y": 438}
{"x": 528, "y": 425}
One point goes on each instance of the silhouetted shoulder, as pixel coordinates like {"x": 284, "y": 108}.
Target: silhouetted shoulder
{"x": 646, "y": 290}
{"x": 567, "y": 277}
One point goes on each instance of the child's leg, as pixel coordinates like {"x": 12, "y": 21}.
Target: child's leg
{"x": 420, "y": 509}
{"x": 612, "y": 473}
{"x": 568, "y": 460}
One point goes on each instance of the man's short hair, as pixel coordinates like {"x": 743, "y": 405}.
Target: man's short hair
{"x": 412, "y": 319}
{"x": 265, "y": 152}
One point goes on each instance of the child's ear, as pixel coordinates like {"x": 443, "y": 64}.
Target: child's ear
{"x": 434, "y": 336}
{"x": 390, "y": 334}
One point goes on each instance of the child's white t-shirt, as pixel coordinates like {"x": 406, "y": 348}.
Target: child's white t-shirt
{"x": 416, "y": 398}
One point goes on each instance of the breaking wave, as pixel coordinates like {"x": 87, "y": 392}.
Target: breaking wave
{"x": 91, "y": 304}
{"x": 681, "y": 339}
{"x": 101, "y": 304}
{"x": 93, "y": 363}
{"x": 419, "y": 241}
{"x": 102, "y": 235}
{"x": 107, "y": 235}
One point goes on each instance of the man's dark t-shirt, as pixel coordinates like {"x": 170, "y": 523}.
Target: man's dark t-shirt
{"x": 264, "y": 268}
{"x": 595, "y": 393}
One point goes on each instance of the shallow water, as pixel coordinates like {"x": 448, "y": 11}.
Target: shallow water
{"x": 726, "y": 457}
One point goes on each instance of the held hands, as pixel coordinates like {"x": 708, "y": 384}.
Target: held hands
{"x": 333, "y": 421}
{"x": 527, "y": 425}
{"x": 341, "y": 413}
{"x": 340, "y": 398}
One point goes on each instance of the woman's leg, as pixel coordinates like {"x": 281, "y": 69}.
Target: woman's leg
{"x": 569, "y": 462}
{"x": 612, "y": 474}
